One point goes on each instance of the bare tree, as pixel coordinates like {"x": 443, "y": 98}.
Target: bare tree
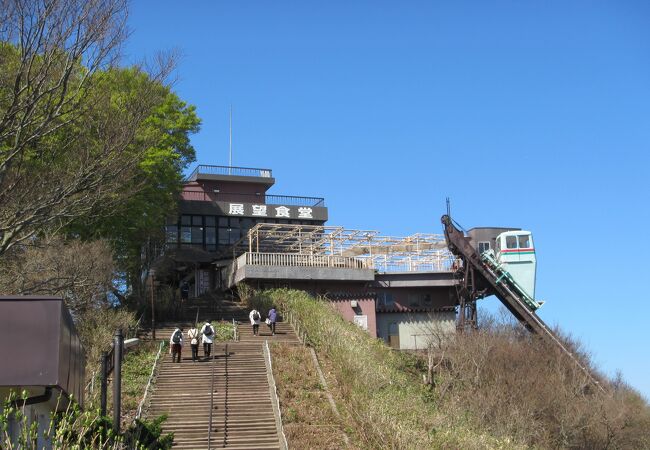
{"x": 66, "y": 143}
{"x": 80, "y": 272}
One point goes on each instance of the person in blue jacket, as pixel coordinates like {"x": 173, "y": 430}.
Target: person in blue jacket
{"x": 273, "y": 315}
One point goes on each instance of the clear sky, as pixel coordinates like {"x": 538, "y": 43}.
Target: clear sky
{"x": 526, "y": 114}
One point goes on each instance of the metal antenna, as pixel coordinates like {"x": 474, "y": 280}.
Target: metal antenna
{"x": 230, "y": 143}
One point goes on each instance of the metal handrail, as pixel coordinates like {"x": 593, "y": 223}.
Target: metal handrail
{"x": 231, "y": 170}
{"x": 225, "y": 400}
{"x": 266, "y": 199}
{"x": 275, "y": 401}
{"x": 146, "y": 389}
{"x": 211, "y": 403}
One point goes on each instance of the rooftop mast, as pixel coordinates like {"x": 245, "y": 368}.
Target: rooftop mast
{"x": 230, "y": 141}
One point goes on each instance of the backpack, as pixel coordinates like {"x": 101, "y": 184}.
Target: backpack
{"x": 208, "y": 330}
{"x": 256, "y": 316}
{"x": 176, "y": 339}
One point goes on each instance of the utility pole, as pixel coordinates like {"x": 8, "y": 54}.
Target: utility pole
{"x": 104, "y": 382}
{"x": 152, "y": 274}
{"x": 118, "y": 347}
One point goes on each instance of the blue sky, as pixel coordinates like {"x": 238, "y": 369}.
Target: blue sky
{"x": 526, "y": 114}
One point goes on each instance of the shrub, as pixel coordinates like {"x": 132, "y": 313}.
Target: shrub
{"x": 76, "y": 429}
{"x": 391, "y": 407}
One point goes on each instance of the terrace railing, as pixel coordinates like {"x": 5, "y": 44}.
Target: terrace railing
{"x": 230, "y": 170}
{"x": 289, "y": 200}
{"x": 301, "y": 260}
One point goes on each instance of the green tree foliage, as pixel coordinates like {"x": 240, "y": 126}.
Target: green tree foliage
{"x": 50, "y": 52}
{"x": 150, "y": 196}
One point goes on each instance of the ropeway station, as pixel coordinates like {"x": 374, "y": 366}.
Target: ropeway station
{"x": 231, "y": 231}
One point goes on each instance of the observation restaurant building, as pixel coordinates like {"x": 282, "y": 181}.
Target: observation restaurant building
{"x": 231, "y": 230}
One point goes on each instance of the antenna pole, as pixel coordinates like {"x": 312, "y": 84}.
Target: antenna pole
{"x": 230, "y": 143}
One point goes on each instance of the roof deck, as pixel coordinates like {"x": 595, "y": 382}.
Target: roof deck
{"x": 232, "y": 173}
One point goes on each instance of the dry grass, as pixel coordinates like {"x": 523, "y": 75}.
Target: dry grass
{"x": 497, "y": 388}
{"x": 307, "y": 417}
{"x": 388, "y": 405}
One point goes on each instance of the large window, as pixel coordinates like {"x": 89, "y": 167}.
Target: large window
{"x": 511, "y": 241}
{"x": 524, "y": 241}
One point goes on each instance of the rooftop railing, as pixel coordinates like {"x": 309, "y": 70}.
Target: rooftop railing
{"x": 230, "y": 170}
{"x": 289, "y": 200}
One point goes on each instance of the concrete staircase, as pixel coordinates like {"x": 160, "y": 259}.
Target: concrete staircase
{"x": 230, "y": 391}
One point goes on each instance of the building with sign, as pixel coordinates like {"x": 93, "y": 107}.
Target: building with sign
{"x": 231, "y": 230}
{"x": 218, "y": 205}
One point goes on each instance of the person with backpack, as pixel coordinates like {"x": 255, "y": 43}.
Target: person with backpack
{"x": 208, "y": 334}
{"x": 255, "y": 318}
{"x": 272, "y": 317}
{"x": 176, "y": 344}
{"x": 193, "y": 336}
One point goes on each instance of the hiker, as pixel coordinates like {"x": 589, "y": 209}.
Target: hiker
{"x": 255, "y": 317}
{"x": 176, "y": 344}
{"x": 193, "y": 336}
{"x": 272, "y": 317}
{"x": 208, "y": 333}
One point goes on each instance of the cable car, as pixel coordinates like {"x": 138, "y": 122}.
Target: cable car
{"x": 515, "y": 252}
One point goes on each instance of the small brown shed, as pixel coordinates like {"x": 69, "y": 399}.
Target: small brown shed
{"x": 40, "y": 349}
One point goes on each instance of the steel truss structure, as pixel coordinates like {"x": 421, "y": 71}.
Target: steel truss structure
{"x": 418, "y": 252}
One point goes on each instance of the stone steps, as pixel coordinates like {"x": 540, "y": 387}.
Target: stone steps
{"x": 242, "y": 412}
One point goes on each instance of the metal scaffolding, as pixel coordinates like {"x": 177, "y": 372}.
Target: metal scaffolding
{"x": 418, "y": 252}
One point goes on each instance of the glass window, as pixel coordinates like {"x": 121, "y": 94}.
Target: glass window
{"x": 197, "y": 221}
{"x": 197, "y": 235}
{"x": 483, "y": 246}
{"x": 224, "y": 236}
{"x": 234, "y": 222}
{"x": 511, "y": 241}
{"x": 524, "y": 241}
{"x": 234, "y": 235}
{"x": 223, "y": 222}
{"x": 186, "y": 220}
{"x": 246, "y": 224}
{"x": 210, "y": 235}
{"x": 209, "y": 221}
{"x": 171, "y": 233}
{"x": 186, "y": 235}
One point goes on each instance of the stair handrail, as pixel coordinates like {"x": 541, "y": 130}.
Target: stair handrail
{"x": 146, "y": 389}
{"x": 214, "y": 360}
{"x": 275, "y": 402}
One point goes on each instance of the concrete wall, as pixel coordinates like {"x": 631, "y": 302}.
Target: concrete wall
{"x": 416, "y": 329}
{"x": 365, "y": 307}
{"x": 252, "y": 272}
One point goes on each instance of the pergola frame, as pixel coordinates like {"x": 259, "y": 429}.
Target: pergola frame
{"x": 418, "y": 252}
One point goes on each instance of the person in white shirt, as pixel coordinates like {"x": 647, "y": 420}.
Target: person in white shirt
{"x": 255, "y": 318}
{"x": 176, "y": 344}
{"x": 193, "y": 336}
{"x": 208, "y": 334}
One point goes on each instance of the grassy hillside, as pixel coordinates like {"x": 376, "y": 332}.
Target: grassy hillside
{"x": 498, "y": 388}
